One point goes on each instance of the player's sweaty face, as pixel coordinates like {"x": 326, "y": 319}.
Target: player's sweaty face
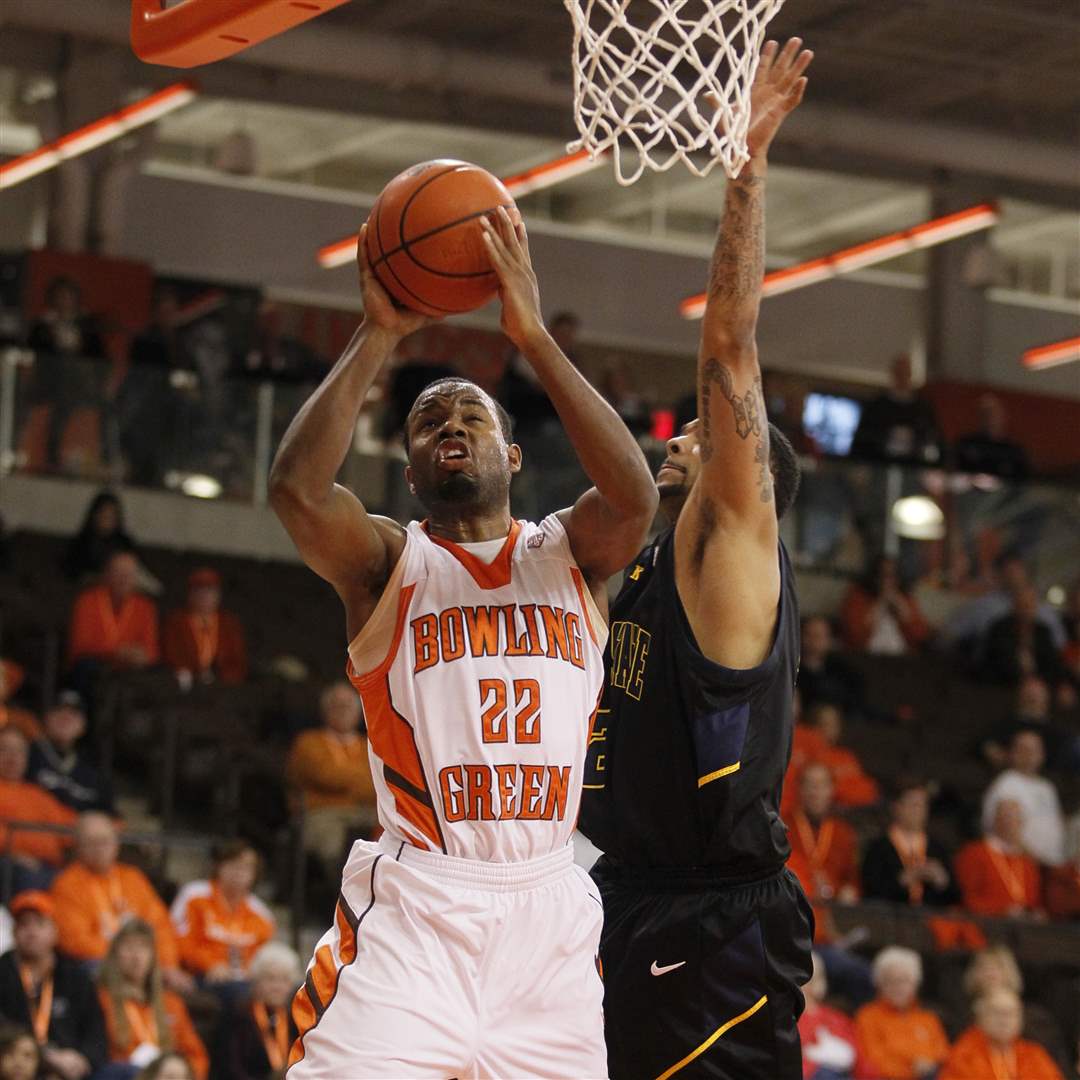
{"x": 680, "y": 468}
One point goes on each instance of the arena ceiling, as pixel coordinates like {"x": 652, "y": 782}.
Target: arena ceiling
{"x": 903, "y": 94}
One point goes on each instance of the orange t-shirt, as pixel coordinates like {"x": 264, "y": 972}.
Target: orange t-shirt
{"x": 329, "y": 771}
{"x": 994, "y": 882}
{"x": 91, "y": 907}
{"x": 142, "y": 1028}
{"x": 23, "y": 801}
{"x": 97, "y": 629}
{"x": 893, "y": 1039}
{"x": 851, "y": 785}
{"x": 196, "y": 643}
{"x": 210, "y": 932}
{"x": 825, "y": 860}
{"x": 974, "y": 1058}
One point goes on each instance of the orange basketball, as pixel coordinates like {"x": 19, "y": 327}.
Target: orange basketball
{"x": 424, "y": 242}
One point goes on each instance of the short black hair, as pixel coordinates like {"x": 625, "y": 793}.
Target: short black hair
{"x": 452, "y": 386}
{"x": 785, "y": 469}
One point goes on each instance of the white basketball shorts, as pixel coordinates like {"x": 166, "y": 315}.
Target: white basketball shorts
{"x": 438, "y": 967}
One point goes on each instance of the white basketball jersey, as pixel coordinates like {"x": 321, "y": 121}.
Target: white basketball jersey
{"x": 480, "y": 684}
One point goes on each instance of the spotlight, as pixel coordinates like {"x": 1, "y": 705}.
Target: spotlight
{"x": 917, "y": 517}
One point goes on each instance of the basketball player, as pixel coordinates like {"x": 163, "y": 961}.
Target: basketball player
{"x": 464, "y": 942}
{"x": 707, "y": 935}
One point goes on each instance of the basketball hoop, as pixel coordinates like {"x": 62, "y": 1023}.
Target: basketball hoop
{"x": 662, "y": 80}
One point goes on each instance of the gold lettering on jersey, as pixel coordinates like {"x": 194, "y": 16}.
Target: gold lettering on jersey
{"x": 636, "y": 572}
{"x": 509, "y": 630}
{"x": 629, "y": 651}
{"x": 504, "y": 792}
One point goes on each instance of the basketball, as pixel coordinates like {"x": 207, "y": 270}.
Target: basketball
{"x": 424, "y": 242}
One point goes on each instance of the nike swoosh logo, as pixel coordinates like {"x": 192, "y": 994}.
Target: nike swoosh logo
{"x": 657, "y": 970}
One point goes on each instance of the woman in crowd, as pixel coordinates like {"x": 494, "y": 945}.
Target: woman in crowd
{"x": 253, "y": 1042}
{"x": 101, "y": 533}
{"x": 900, "y": 1040}
{"x": 141, "y": 1018}
{"x": 880, "y": 616}
{"x": 20, "y": 1055}
{"x": 992, "y": 1048}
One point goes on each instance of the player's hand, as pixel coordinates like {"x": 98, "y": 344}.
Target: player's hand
{"x": 508, "y": 248}
{"x": 778, "y": 87}
{"x": 379, "y": 309}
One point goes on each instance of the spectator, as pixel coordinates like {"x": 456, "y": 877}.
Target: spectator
{"x": 1044, "y": 824}
{"x": 34, "y": 857}
{"x": 145, "y": 399}
{"x": 1063, "y": 883}
{"x": 900, "y": 1040}
{"x": 824, "y": 675}
{"x": 50, "y": 994}
{"x": 906, "y": 866}
{"x": 992, "y": 1048}
{"x": 112, "y": 622}
{"x": 1018, "y": 644}
{"x": 254, "y": 1041}
{"x": 899, "y": 424}
{"x": 63, "y": 335}
{"x": 330, "y": 776}
{"x": 995, "y": 875}
{"x": 830, "y": 1045}
{"x": 632, "y": 408}
{"x": 880, "y": 616}
{"x": 60, "y": 767}
{"x": 11, "y": 677}
{"x": 167, "y": 1067}
{"x": 20, "y": 1055}
{"x": 142, "y": 1018}
{"x": 852, "y": 786}
{"x": 987, "y": 450}
{"x": 220, "y": 924}
{"x": 101, "y": 534}
{"x": 201, "y": 641}
{"x": 96, "y": 894}
{"x": 1033, "y": 710}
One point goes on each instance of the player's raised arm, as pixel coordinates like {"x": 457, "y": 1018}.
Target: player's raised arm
{"x": 333, "y": 532}
{"x": 727, "y": 533}
{"x": 608, "y": 524}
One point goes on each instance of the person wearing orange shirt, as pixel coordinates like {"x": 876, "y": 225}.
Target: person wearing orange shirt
{"x": 34, "y": 856}
{"x": 113, "y": 622}
{"x": 995, "y": 875}
{"x": 201, "y": 638}
{"x": 220, "y": 924}
{"x": 329, "y": 775}
{"x": 142, "y": 1019}
{"x": 899, "y": 1039}
{"x": 852, "y": 786}
{"x": 992, "y": 1049}
{"x": 11, "y": 678}
{"x": 96, "y": 895}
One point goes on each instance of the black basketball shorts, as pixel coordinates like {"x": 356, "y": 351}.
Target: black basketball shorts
{"x": 702, "y": 976}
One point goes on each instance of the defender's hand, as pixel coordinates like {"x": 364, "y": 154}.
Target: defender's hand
{"x": 379, "y": 309}
{"x": 508, "y": 248}
{"x": 778, "y": 87}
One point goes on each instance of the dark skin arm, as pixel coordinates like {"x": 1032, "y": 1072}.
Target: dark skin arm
{"x": 608, "y": 523}
{"x": 726, "y": 563}
{"x": 354, "y": 551}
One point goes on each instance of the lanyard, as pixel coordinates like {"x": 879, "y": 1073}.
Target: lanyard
{"x": 276, "y": 1042}
{"x": 42, "y": 1012}
{"x": 204, "y": 629}
{"x": 113, "y": 624}
{"x": 109, "y": 901}
{"x": 817, "y": 849}
{"x": 339, "y": 749}
{"x": 1004, "y": 1065}
{"x": 142, "y": 1022}
{"x": 1010, "y": 878}
{"x": 912, "y": 856}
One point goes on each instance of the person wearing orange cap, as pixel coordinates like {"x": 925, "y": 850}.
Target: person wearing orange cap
{"x": 35, "y": 856}
{"x": 50, "y": 994}
{"x": 202, "y": 639}
{"x": 991, "y": 1049}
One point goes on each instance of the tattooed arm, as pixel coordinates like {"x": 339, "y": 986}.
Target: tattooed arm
{"x": 726, "y": 538}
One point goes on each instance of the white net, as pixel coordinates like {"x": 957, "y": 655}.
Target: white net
{"x": 661, "y": 81}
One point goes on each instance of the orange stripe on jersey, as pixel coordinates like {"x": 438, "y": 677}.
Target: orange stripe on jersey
{"x": 492, "y": 575}
{"x": 579, "y": 583}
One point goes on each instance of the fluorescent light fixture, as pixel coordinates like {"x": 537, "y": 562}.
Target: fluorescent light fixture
{"x": 917, "y": 517}
{"x": 542, "y": 176}
{"x": 1048, "y": 356}
{"x": 200, "y": 486}
{"x": 928, "y": 234}
{"x": 97, "y": 133}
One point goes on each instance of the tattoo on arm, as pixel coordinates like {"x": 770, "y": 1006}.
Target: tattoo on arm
{"x": 738, "y": 262}
{"x": 748, "y": 412}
